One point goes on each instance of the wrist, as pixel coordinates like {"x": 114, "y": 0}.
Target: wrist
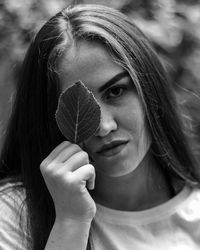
{"x": 73, "y": 222}
{"x": 64, "y": 233}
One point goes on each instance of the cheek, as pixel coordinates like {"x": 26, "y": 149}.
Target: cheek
{"x": 88, "y": 145}
{"x": 133, "y": 121}
{"x": 139, "y": 135}
{"x": 138, "y": 129}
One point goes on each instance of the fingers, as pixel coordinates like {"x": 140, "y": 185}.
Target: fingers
{"x": 65, "y": 157}
{"x": 76, "y": 161}
{"x": 61, "y": 153}
{"x": 86, "y": 173}
{"x": 65, "y": 154}
{"x": 69, "y": 158}
{"x": 59, "y": 149}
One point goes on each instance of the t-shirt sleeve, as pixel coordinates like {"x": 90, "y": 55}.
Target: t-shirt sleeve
{"x": 13, "y": 234}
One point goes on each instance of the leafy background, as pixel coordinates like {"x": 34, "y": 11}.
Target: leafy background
{"x": 173, "y": 26}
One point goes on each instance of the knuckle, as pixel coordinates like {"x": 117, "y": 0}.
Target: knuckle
{"x": 70, "y": 180}
{"x": 76, "y": 147}
{"x": 48, "y": 168}
{"x": 84, "y": 155}
{"x": 53, "y": 173}
{"x": 91, "y": 168}
{"x": 65, "y": 143}
{"x": 43, "y": 165}
{"x": 72, "y": 149}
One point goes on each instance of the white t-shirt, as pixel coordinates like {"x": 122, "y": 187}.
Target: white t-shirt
{"x": 174, "y": 225}
{"x": 13, "y": 229}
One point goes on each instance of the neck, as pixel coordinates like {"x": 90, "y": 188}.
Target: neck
{"x": 144, "y": 188}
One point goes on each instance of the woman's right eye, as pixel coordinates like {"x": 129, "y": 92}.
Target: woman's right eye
{"x": 116, "y": 91}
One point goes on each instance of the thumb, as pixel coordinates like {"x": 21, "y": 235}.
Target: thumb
{"x": 86, "y": 173}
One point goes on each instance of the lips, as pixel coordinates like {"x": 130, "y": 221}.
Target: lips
{"x": 113, "y": 148}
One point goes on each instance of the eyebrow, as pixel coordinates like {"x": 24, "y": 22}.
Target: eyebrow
{"x": 113, "y": 80}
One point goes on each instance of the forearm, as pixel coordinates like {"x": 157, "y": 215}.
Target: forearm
{"x": 68, "y": 235}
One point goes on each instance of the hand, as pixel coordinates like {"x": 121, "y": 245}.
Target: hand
{"x": 67, "y": 173}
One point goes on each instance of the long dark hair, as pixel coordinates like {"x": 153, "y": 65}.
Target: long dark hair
{"x": 32, "y": 132}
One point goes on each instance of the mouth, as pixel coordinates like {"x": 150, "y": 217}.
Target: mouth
{"x": 112, "y": 148}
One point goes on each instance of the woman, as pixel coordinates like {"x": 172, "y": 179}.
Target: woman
{"x": 143, "y": 178}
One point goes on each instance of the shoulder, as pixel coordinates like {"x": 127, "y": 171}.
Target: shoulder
{"x": 12, "y": 197}
{"x": 190, "y": 208}
{"x": 13, "y": 220}
{"x": 12, "y": 189}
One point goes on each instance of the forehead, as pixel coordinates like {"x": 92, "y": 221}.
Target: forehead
{"x": 89, "y": 62}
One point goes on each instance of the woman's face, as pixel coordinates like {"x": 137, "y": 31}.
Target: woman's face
{"x": 122, "y": 139}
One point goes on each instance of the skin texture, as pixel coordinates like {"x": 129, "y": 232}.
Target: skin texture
{"x": 122, "y": 117}
{"x": 125, "y": 176}
{"x": 122, "y": 177}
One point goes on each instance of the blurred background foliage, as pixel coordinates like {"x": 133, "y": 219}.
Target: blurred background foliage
{"x": 173, "y": 26}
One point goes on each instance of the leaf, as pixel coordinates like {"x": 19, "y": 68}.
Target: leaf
{"x": 78, "y": 113}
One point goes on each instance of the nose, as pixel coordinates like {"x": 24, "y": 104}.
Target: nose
{"x": 107, "y": 123}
